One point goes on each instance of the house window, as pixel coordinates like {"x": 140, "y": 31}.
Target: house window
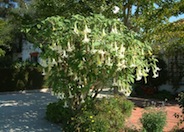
{"x": 34, "y": 57}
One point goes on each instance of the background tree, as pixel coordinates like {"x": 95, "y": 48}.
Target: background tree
{"x": 4, "y": 37}
{"x": 169, "y": 43}
{"x": 142, "y": 16}
{"x": 13, "y": 15}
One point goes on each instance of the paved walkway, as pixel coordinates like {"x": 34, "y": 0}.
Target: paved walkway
{"x": 25, "y": 112}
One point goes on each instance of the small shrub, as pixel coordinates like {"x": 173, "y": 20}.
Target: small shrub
{"x": 153, "y": 121}
{"x": 115, "y": 110}
{"x": 57, "y": 114}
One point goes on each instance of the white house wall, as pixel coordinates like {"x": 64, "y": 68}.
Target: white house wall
{"x": 28, "y": 48}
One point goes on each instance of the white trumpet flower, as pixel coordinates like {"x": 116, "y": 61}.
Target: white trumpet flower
{"x": 43, "y": 72}
{"x": 147, "y": 70}
{"x": 138, "y": 78}
{"x": 59, "y": 48}
{"x": 87, "y": 30}
{"x": 82, "y": 101}
{"x": 59, "y": 60}
{"x": 69, "y": 47}
{"x": 75, "y": 29}
{"x": 70, "y": 95}
{"x": 86, "y": 39}
{"x": 157, "y": 69}
{"x": 109, "y": 62}
{"x": 133, "y": 65}
{"x": 139, "y": 74}
{"x": 54, "y": 62}
{"x": 65, "y": 105}
{"x": 103, "y": 32}
{"x": 62, "y": 96}
{"x": 64, "y": 54}
{"x": 75, "y": 78}
{"x": 114, "y": 30}
{"x": 127, "y": 93}
{"x": 93, "y": 51}
{"x": 114, "y": 82}
{"x": 116, "y": 9}
{"x": 102, "y": 53}
{"x": 155, "y": 74}
{"x": 122, "y": 49}
{"x": 121, "y": 56}
{"x": 115, "y": 47}
{"x": 43, "y": 63}
{"x": 119, "y": 83}
{"x": 119, "y": 66}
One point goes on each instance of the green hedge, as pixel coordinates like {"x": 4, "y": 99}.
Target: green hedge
{"x": 153, "y": 121}
{"x": 21, "y": 76}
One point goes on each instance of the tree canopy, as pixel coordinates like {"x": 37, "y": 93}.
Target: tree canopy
{"x": 140, "y": 15}
{"x": 170, "y": 41}
{"x": 6, "y": 37}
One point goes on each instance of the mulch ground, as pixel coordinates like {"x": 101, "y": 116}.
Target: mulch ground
{"x": 170, "y": 107}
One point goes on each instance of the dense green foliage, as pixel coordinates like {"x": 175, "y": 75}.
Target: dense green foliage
{"x": 20, "y": 76}
{"x": 145, "y": 17}
{"x": 103, "y": 115}
{"x": 5, "y": 37}
{"x": 153, "y": 121}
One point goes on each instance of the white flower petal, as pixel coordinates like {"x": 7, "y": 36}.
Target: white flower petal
{"x": 86, "y": 39}
{"x": 87, "y": 30}
{"x": 155, "y": 75}
{"x": 138, "y": 78}
{"x": 75, "y": 29}
{"x": 65, "y": 105}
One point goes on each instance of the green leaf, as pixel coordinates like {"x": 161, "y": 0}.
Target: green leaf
{"x": 38, "y": 26}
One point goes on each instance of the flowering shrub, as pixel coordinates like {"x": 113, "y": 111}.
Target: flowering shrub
{"x": 82, "y": 54}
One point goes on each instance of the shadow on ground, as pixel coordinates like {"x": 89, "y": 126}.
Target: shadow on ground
{"x": 23, "y": 112}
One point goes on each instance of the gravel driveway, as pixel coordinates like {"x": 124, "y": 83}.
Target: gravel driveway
{"x": 25, "y": 112}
